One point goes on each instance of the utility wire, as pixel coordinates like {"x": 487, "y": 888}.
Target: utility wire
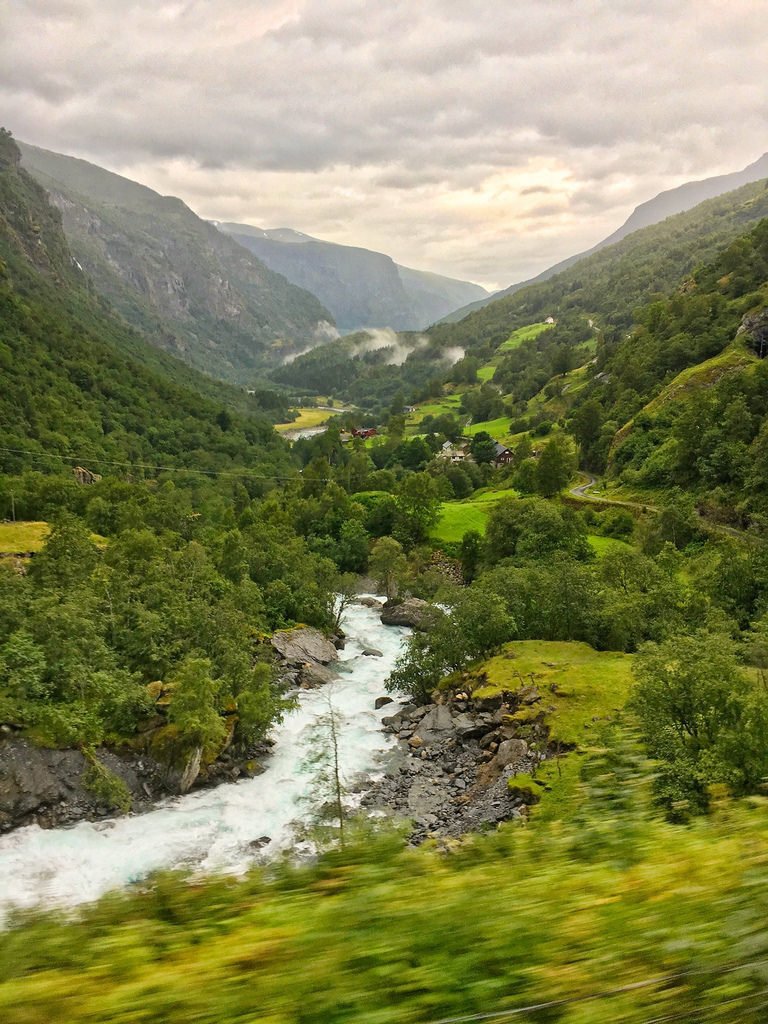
{"x": 707, "y": 1011}
{"x": 502, "y": 1015}
{"x": 159, "y": 469}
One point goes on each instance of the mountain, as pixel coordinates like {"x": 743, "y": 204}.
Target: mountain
{"x": 189, "y": 288}
{"x": 360, "y": 287}
{"x": 594, "y": 299}
{"x": 78, "y": 383}
{"x": 609, "y": 284}
{"x": 665, "y": 204}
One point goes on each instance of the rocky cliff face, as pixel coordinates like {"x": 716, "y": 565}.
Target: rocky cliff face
{"x": 189, "y": 288}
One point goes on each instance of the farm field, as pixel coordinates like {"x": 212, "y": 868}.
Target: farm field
{"x": 459, "y": 517}
{"x": 498, "y": 428}
{"x": 308, "y": 417}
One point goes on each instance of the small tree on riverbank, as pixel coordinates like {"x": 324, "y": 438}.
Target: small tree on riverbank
{"x": 327, "y": 793}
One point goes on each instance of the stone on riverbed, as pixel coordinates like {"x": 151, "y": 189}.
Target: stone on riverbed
{"x": 304, "y": 644}
{"x": 411, "y": 612}
{"x": 435, "y": 726}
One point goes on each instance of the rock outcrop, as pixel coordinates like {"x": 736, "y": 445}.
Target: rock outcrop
{"x": 303, "y": 644}
{"x": 458, "y": 762}
{"x": 304, "y": 653}
{"x": 48, "y": 787}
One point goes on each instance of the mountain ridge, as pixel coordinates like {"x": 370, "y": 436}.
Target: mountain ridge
{"x": 361, "y": 287}
{"x": 653, "y": 211}
{"x": 79, "y": 382}
{"x": 189, "y": 288}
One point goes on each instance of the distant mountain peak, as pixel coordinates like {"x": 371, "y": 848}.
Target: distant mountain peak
{"x": 361, "y": 287}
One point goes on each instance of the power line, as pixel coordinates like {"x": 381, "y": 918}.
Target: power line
{"x": 707, "y": 1011}
{"x": 96, "y": 460}
{"x": 503, "y": 1015}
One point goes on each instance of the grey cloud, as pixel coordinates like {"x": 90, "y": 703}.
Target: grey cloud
{"x": 419, "y": 129}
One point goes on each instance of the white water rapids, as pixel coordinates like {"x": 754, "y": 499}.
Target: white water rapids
{"x": 210, "y": 830}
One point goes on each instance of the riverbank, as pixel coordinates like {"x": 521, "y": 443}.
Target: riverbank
{"x": 456, "y": 762}
{"x": 230, "y": 826}
{"x": 52, "y": 788}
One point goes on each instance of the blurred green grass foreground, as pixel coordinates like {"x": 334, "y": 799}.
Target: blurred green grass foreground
{"x": 613, "y": 916}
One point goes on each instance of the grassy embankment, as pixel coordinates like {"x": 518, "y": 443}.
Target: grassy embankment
{"x": 582, "y": 691}
{"x": 20, "y": 538}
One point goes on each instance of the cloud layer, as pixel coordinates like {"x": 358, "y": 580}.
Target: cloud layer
{"x": 480, "y": 140}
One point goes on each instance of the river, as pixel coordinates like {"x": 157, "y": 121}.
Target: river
{"x": 212, "y": 829}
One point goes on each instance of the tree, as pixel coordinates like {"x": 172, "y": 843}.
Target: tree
{"x": 533, "y": 528}
{"x": 701, "y": 719}
{"x": 470, "y": 554}
{"x": 346, "y": 591}
{"x": 324, "y": 762}
{"x": 476, "y": 626}
{"x": 556, "y": 466}
{"x": 417, "y": 508}
{"x": 351, "y": 549}
{"x": 483, "y": 448}
{"x": 388, "y": 565}
{"x": 193, "y": 706}
{"x": 586, "y": 425}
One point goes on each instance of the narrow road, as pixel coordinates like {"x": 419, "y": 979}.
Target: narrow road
{"x": 581, "y": 491}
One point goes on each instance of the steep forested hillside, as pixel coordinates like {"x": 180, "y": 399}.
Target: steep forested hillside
{"x": 192, "y": 290}
{"x": 361, "y": 288}
{"x": 610, "y": 284}
{"x": 77, "y": 381}
{"x": 597, "y": 296}
{"x": 665, "y": 204}
{"x": 686, "y": 393}
{"x": 186, "y": 570}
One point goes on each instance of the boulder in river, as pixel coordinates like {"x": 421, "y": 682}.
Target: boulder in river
{"x": 311, "y": 675}
{"x": 304, "y": 644}
{"x": 381, "y": 702}
{"x": 372, "y": 652}
{"x": 411, "y": 611}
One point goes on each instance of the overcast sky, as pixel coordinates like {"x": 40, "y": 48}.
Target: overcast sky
{"x": 484, "y": 139}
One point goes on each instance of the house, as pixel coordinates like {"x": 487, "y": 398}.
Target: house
{"x": 365, "y": 433}
{"x": 454, "y": 454}
{"x": 502, "y": 456}
{"x": 409, "y": 408}
{"x": 550, "y": 320}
